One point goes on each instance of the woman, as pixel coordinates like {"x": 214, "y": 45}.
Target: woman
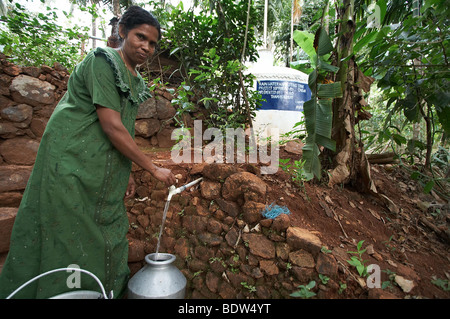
{"x": 72, "y": 211}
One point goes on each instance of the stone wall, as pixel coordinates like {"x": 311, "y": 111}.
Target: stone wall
{"x": 223, "y": 244}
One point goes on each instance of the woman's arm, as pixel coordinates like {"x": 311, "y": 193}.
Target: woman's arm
{"x": 119, "y": 136}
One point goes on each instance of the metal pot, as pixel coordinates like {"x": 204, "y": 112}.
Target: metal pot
{"x": 159, "y": 279}
{"x": 79, "y": 294}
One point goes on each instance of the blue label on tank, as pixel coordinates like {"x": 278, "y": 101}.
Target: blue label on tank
{"x": 283, "y": 95}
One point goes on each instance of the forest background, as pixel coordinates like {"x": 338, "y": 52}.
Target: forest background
{"x": 378, "y": 71}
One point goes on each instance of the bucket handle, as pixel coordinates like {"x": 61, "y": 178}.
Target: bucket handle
{"x": 61, "y": 269}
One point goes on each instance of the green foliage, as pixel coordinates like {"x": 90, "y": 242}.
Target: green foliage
{"x": 35, "y": 39}
{"x": 249, "y": 287}
{"x": 183, "y": 100}
{"x": 318, "y": 110}
{"x": 305, "y": 291}
{"x": 444, "y": 284}
{"x": 305, "y": 40}
{"x": 391, "y": 279}
{"x": 298, "y": 132}
{"x": 210, "y": 47}
{"x": 283, "y": 163}
{"x": 216, "y": 84}
{"x": 324, "y": 279}
{"x": 342, "y": 287}
{"x": 407, "y": 55}
{"x": 296, "y": 170}
{"x": 357, "y": 260}
{"x": 409, "y": 60}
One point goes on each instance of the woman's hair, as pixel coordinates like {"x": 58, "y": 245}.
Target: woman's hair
{"x": 135, "y": 16}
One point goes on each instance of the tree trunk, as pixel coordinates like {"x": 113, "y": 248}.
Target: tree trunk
{"x": 429, "y": 127}
{"x": 116, "y": 8}
{"x": 350, "y": 162}
{"x": 94, "y": 32}
{"x": 421, "y": 102}
{"x": 113, "y": 39}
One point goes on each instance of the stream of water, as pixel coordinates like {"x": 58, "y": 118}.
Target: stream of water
{"x": 166, "y": 207}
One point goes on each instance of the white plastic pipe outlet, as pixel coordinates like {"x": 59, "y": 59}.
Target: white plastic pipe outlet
{"x": 173, "y": 190}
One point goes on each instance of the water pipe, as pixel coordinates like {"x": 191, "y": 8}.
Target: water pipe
{"x": 173, "y": 190}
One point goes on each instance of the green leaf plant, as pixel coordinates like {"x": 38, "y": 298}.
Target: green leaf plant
{"x": 305, "y": 291}
{"x": 357, "y": 260}
{"x": 408, "y": 56}
{"x": 212, "y": 46}
{"x": 318, "y": 110}
{"x": 32, "y": 39}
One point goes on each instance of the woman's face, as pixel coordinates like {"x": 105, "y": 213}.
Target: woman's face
{"x": 139, "y": 44}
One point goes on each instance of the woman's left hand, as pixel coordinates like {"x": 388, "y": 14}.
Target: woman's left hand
{"x": 131, "y": 189}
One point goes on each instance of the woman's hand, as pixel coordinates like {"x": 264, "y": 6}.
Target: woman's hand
{"x": 131, "y": 189}
{"x": 111, "y": 123}
{"x": 164, "y": 175}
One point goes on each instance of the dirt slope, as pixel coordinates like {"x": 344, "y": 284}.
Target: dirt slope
{"x": 403, "y": 234}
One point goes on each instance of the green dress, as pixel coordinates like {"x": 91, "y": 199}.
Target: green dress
{"x": 72, "y": 212}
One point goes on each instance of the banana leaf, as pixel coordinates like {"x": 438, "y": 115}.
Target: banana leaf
{"x": 330, "y": 90}
{"x": 324, "y": 45}
{"x": 312, "y": 165}
{"x": 319, "y": 121}
{"x": 318, "y": 110}
{"x": 306, "y": 41}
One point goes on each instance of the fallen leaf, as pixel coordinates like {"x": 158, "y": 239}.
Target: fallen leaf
{"x": 374, "y": 214}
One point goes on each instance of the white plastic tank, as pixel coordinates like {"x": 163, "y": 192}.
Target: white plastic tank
{"x": 284, "y": 90}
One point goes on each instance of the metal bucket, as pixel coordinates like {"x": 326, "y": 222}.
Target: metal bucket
{"x": 159, "y": 279}
{"x": 79, "y": 294}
